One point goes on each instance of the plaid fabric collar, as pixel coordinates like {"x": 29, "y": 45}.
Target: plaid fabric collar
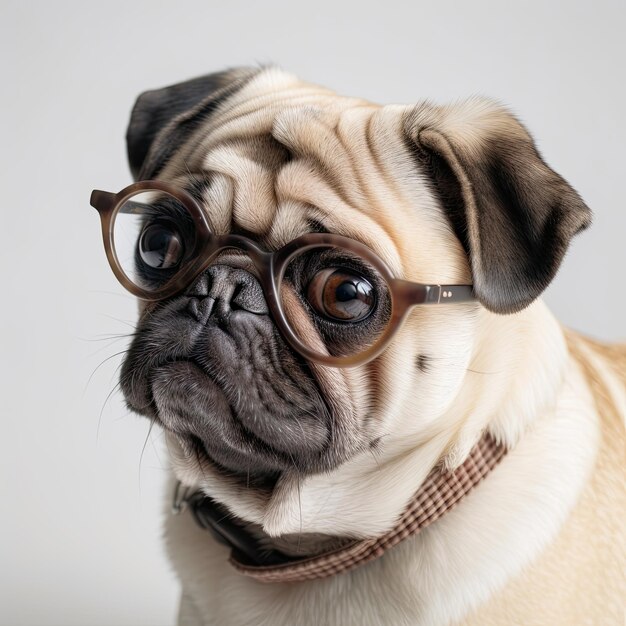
{"x": 439, "y": 493}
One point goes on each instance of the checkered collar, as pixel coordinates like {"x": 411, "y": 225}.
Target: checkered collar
{"x": 438, "y": 494}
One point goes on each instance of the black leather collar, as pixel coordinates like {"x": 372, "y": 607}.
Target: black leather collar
{"x": 212, "y": 516}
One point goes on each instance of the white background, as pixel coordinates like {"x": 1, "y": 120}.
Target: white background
{"x": 81, "y": 508}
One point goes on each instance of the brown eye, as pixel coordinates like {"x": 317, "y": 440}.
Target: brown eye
{"x": 341, "y": 295}
{"x": 160, "y": 246}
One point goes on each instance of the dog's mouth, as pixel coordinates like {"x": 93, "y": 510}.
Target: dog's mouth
{"x": 232, "y": 393}
{"x": 232, "y": 427}
{"x": 195, "y": 454}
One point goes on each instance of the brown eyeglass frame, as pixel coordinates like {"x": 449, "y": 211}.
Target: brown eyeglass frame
{"x": 271, "y": 268}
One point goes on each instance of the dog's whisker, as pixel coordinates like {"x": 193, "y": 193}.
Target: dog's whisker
{"x": 119, "y": 294}
{"x": 143, "y": 449}
{"x": 375, "y": 459}
{"x": 106, "y": 336}
{"x": 93, "y": 373}
{"x": 445, "y": 363}
{"x": 156, "y": 452}
{"x": 200, "y": 464}
{"x": 120, "y": 321}
{"x": 104, "y": 347}
{"x": 109, "y": 395}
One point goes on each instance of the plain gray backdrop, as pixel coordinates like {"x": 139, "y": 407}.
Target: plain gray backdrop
{"x": 82, "y": 480}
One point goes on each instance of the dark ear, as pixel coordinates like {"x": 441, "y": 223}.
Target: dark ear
{"x": 513, "y": 214}
{"x": 163, "y": 119}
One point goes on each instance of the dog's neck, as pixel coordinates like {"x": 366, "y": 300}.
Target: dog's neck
{"x": 514, "y": 376}
{"x": 267, "y": 562}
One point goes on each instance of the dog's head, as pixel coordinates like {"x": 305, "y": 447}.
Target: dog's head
{"x": 443, "y": 194}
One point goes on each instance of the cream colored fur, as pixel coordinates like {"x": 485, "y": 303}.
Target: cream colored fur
{"x": 512, "y": 375}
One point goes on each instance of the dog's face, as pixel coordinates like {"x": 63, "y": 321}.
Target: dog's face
{"x": 442, "y": 194}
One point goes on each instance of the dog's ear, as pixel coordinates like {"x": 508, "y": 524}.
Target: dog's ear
{"x": 514, "y": 215}
{"x": 163, "y": 119}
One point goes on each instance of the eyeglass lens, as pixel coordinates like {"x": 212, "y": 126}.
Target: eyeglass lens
{"x": 154, "y": 235}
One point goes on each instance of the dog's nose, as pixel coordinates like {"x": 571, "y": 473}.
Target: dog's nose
{"x": 222, "y": 289}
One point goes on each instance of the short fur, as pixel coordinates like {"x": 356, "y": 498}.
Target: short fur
{"x": 451, "y": 194}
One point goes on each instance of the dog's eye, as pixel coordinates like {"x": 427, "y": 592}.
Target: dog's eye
{"x": 160, "y": 245}
{"x": 341, "y": 295}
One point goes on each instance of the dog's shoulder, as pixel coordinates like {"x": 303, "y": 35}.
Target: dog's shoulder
{"x": 579, "y": 577}
{"x": 604, "y": 367}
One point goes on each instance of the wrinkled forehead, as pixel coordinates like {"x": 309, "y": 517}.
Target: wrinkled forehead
{"x": 282, "y": 158}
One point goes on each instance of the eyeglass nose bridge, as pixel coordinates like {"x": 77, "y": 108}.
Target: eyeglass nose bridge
{"x": 262, "y": 260}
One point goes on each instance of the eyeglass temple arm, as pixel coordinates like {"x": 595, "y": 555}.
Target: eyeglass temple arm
{"x": 417, "y": 293}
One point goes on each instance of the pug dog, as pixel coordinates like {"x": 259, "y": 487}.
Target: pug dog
{"x": 371, "y": 417}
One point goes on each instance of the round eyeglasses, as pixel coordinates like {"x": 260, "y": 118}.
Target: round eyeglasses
{"x": 333, "y": 300}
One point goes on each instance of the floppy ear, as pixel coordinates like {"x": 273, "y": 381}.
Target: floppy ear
{"x": 163, "y": 119}
{"x": 514, "y": 215}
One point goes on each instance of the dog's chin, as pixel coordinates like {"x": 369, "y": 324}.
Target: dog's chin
{"x": 242, "y": 438}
